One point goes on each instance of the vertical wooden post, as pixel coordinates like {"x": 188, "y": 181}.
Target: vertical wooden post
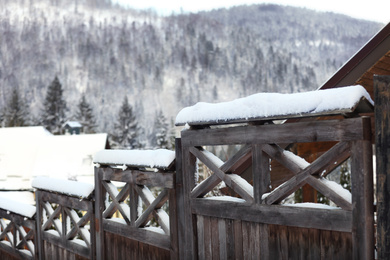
{"x": 261, "y": 183}
{"x": 173, "y": 222}
{"x": 261, "y": 173}
{"x": 99, "y": 207}
{"x": 39, "y": 239}
{"x": 185, "y": 170}
{"x": 362, "y": 195}
{"x": 382, "y": 141}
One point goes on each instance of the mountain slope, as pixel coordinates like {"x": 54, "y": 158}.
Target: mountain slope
{"x": 166, "y": 63}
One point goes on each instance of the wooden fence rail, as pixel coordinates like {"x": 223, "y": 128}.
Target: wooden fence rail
{"x": 136, "y": 212}
{"x": 213, "y": 226}
{"x": 17, "y": 236}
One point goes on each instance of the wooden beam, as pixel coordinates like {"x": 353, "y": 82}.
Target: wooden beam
{"x": 382, "y": 136}
{"x": 315, "y": 131}
{"x": 325, "y": 219}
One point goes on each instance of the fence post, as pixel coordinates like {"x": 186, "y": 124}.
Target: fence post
{"x": 99, "y": 207}
{"x": 382, "y": 140}
{"x": 38, "y": 222}
{"x": 362, "y": 195}
{"x": 185, "y": 170}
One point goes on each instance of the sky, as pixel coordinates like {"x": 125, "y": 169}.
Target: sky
{"x": 373, "y": 10}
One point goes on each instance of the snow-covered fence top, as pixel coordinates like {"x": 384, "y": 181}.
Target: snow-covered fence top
{"x": 161, "y": 158}
{"x": 72, "y": 188}
{"x": 270, "y": 106}
{"x": 17, "y": 207}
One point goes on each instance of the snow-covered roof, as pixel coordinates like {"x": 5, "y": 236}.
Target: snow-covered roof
{"x": 32, "y": 151}
{"x": 271, "y": 106}
{"x": 73, "y": 188}
{"x": 160, "y": 158}
{"x": 73, "y": 124}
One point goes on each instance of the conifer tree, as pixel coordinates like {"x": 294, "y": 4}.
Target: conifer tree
{"x": 53, "y": 115}
{"x": 160, "y": 138}
{"x": 85, "y": 116}
{"x": 126, "y": 131}
{"x": 16, "y": 112}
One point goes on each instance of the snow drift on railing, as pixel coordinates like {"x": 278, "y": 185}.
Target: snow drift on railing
{"x": 275, "y": 105}
{"x": 160, "y": 158}
{"x": 73, "y": 188}
{"x": 17, "y": 207}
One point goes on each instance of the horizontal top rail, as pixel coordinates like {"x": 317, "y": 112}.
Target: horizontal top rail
{"x": 160, "y": 158}
{"x": 20, "y": 208}
{"x": 276, "y": 106}
{"x": 72, "y": 188}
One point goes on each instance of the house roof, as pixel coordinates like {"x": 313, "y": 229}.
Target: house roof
{"x": 372, "y": 58}
{"x": 26, "y": 152}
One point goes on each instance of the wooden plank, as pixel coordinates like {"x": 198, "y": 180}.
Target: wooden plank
{"x": 187, "y": 231}
{"x": 362, "y": 198}
{"x": 201, "y": 239}
{"x": 65, "y": 200}
{"x": 207, "y": 238}
{"x": 173, "y": 225}
{"x": 214, "y": 238}
{"x": 261, "y": 173}
{"x": 314, "y": 244}
{"x": 247, "y": 254}
{"x": 239, "y": 161}
{"x": 156, "y": 179}
{"x": 205, "y": 186}
{"x": 316, "y": 167}
{"x": 142, "y": 235}
{"x": 315, "y": 131}
{"x": 230, "y": 239}
{"x": 99, "y": 208}
{"x": 382, "y": 136}
{"x": 264, "y": 241}
{"x": 238, "y": 238}
{"x": 222, "y": 234}
{"x": 329, "y": 193}
{"x": 327, "y": 219}
{"x": 227, "y": 178}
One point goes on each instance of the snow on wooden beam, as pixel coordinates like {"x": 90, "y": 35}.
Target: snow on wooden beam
{"x": 274, "y": 106}
{"x": 160, "y": 158}
{"x": 73, "y": 188}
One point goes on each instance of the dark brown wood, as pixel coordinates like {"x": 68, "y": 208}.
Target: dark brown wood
{"x": 329, "y": 193}
{"x": 227, "y": 178}
{"x": 99, "y": 208}
{"x": 261, "y": 173}
{"x": 238, "y": 240}
{"x": 315, "y": 131}
{"x": 382, "y": 136}
{"x": 362, "y": 198}
{"x": 174, "y": 254}
{"x": 316, "y": 167}
{"x": 239, "y": 162}
{"x": 327, "y": 219}
{"x": 142, "y": 235}
{"x": 155, "y": 179}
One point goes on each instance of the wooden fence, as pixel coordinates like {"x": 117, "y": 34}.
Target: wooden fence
{"x": 258, "y": 227}
{"x": 163, "y": 213}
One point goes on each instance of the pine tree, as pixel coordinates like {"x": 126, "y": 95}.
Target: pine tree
{"x": 16, "y": 112}
{"x": 159, "y": 138}
{"x": 85, "y": 116}
{"x": 53, "y": 115}
{"x": 126, "y": 130}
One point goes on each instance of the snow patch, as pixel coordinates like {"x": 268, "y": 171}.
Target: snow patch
{"x": 17, "y": 207}
{"x": 73, "y": 188}
{"x": 160, "y": 158}
{"x": 264, "y": 105}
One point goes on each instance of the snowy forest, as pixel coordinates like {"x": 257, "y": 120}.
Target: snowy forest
{"x": 129, "y": 72}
